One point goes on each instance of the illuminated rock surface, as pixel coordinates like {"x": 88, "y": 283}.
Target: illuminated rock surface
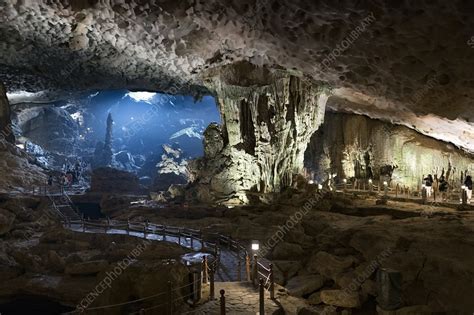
{"x": 391, "y": 60}
{"x": 355, "y": 146}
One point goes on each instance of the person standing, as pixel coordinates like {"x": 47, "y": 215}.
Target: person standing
{"x": 468, "y": 184}
{"x": 428, "y": 185}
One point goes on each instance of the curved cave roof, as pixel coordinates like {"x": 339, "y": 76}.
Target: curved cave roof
{"x": 409, "y": 62}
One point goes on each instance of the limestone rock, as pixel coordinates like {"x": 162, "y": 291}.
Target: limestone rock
{"x": 289, "y": 251}
{"x": 329, "y": 265}
{"x": 340, "y": 298}
{"x": 86, "y": 268}
{"x": 315, "y": 298}
{"x": 6, "y": 221}
{"x": 110, "y": 180}
{"x": 303, "y": 285}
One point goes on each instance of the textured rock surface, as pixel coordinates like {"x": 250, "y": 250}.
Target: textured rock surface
{"x": 106, "y": 179}
{"x": 53, "y": 129}
{"x": 6, "y": 128}
{"x": 394, "y": 60}
{"x": 18, "y": 169}
{"x": 349, "y": 145}
{"x": 265, "y": 132}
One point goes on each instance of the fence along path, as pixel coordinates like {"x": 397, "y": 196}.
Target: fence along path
{"x": 230, "y": 264}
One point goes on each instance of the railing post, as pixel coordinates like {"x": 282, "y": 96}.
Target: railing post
{"x": 211, "y": 285}
{"x": 142, "y": 311}
{"x": 83, "y": 223}
{"x": 128, "y": 226}
{"x": 261, "y": 297}
{"x": 204, "y": 269}
{"x": 272, "y": 283}
{"x": 396, "y": 191}
{"x": 164, "y": 232}
{"x": 179, "y": 236}
{"x": 107, "y": 224}
{"x": 144, "y": 229}
{"x": 255, "y": 270}
{"x": 222, "y": 302}
{"x": 170, "y": 299}
{"x": 191, "y": 235}
{"x": 247, "y": 267}
{"x": 239, "y": 267}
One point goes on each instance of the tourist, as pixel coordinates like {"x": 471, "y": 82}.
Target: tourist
{"x": 428, "y": 185}
{"x": 468, "y": 184}
{"x": 443, "y": 187}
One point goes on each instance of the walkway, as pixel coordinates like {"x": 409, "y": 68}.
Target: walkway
{"x": 240, "y": 298}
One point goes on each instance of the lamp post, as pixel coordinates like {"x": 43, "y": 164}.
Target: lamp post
{"x": 255, "y": 247}
{"x": 385, "y": 189}
{"x": 370, "y": 184}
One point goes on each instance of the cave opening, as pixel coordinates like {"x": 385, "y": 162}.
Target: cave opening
{"x": 150, "y": 134}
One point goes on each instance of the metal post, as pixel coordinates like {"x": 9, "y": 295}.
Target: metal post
{"x": 83, "y": 224}
{"x": 396, "y": 190}
{"x": 262, "y": 297}
{"x": 272, "y": 283}
{"x": 255, "y": 270}
{"x": 239, "y": 268}
{"x": 211, "y": 285}
{"x": 204, "y": 269}
{"x": 179, "y": 236}
{"x": 423, "y": 195}
{"x": 164, "y": 233}
{"x": 222, "y": 302}
{"x": 170, "y": 300}
{"x": 464, "y": 197}
{"x": 247, "y": 267}
{"x": 128, "y": 226}
{"x": 191, "y": 236}
{"x": 144, "y": 230}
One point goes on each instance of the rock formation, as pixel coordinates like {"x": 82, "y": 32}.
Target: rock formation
{"x": 266, "y": 127}
{"x": 103, "y": 155}
{"x": 392, "y": 60}
{"x": 172, "y": 169}
{"x": 110, "y": 180}
{"x": 355, "y": 146}
{"x": 6, "y": 128}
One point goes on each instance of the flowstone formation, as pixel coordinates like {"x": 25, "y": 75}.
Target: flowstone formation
{"x": 355, "y": 146}
{"x": 266, "y": 128}
{"x": 103, "y": 155}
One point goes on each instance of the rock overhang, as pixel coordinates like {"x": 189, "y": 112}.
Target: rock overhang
{"x": 404, "y": 62}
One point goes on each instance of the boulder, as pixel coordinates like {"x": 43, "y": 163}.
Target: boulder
{"x": 110, "y": 180}
{"x": 342, "y": 298}
{"x": 303, "y": 285}
{"x": 329, "y": 265}
{"x": 284, "y": 250}
{"x": 6, "y": 221}
{"x": 87, "y": 268}
{"x": 285, "y": 269}
{"x": 315, "y": 298}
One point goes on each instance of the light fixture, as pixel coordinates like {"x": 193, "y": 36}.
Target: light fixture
{"x": 370, "y": 181}
{"x": 385, "y": 183}
{"x": 255, "y": 245}
{"x": 320, "y": 186}
{"x": 423, "y": 185}
{"x": 311, "y": 182}
{"x": 463, "y": 187}
{"x": 344, "y": 180}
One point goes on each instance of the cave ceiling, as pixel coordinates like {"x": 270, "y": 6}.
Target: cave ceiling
{"x": 410, "y": 62}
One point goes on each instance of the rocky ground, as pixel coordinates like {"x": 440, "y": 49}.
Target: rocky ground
{"x": 328, "y": 257}
{"x": 40, "y": 258}
{"x": 19, "y": 171}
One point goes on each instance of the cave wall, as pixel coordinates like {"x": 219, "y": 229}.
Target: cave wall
{"x": 265, "y": 131}
{"x": 6, "y": 131}
{"x": 351, "y": 145}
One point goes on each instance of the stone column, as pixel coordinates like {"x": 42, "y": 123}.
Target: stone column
{"x": 266, "y": 129}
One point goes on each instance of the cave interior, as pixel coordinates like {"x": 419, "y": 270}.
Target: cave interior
{"x": 299, "y": 157}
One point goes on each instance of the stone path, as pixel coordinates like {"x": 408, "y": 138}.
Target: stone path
{"x": 241, "y": 298}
